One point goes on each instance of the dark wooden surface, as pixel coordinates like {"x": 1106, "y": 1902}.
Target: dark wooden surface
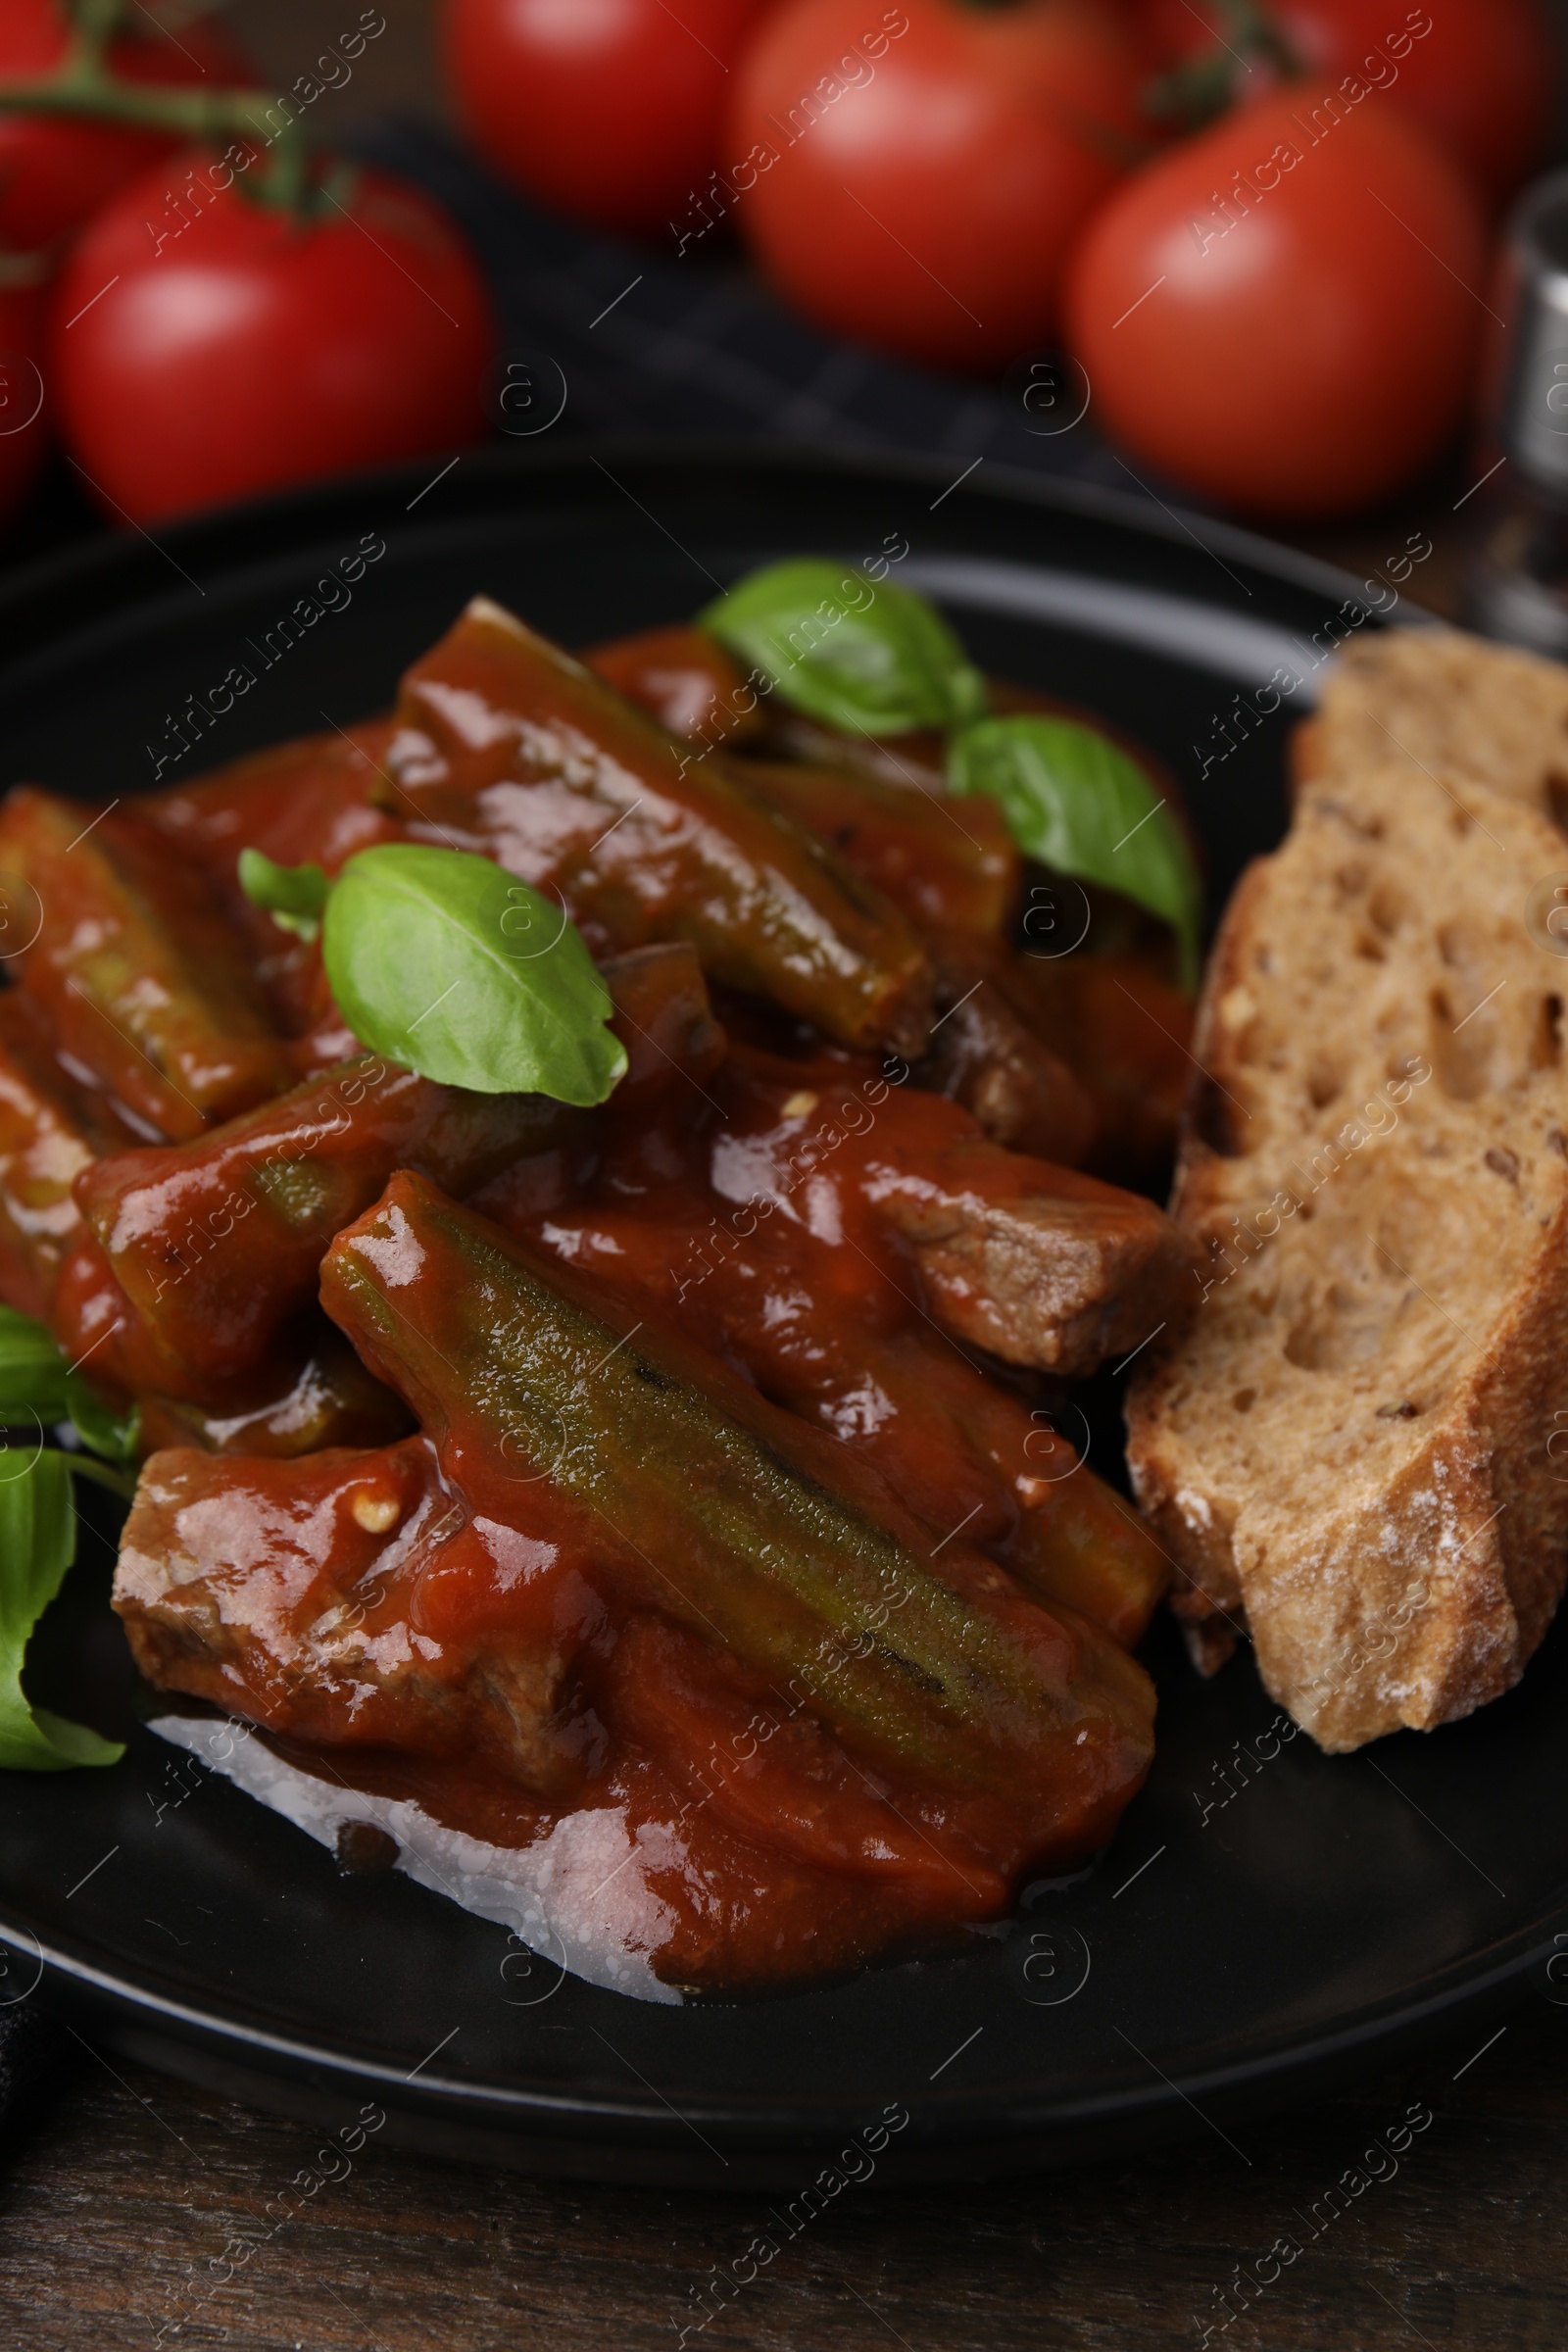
{"x": 115, "y": 2203}
{"x": 118, "y": 2190}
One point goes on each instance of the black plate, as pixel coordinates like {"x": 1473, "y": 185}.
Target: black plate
{"x": 1267, "y": 1918}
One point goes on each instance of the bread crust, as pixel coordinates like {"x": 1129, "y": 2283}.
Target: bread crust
{"x": 1396, "y": 1558}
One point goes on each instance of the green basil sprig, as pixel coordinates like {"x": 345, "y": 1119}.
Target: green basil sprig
{"x": 1081, "y": 806}
{"x": 293, "y": 895}
{"x": 38, "y": 1544}
{"x": 448, "y": 965}
{"x": 853, "y": 652}
{"x": 36, "y": 1384}
{"x": 38, "y": 1528}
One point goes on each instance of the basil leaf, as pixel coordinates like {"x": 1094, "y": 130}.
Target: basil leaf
{"x": 37, "y": 1542}
{"x": 1078, "y": 804}
{"x": 444, "y": 961}
{"x": 33, "y": 1381}
{"x": 35, "y": 1385}
{"x": 99, "y": 1427}
{"x": 292, "y": 895}
{"x": 848, "y": 650}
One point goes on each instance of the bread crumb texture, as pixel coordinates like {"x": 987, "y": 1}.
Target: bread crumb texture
{"x": 1449, "y": 703}
{"x": 1351, "y": 1443}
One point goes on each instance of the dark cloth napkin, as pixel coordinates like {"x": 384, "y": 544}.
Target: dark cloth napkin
{"x": 689, "y": 346}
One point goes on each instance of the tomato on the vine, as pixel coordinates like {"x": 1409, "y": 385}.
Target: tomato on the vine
{"x": 610, "y": 109}
{"x": 1283, "y": 311}
{"x": 915, "y": 175}
{"x": 244, "y": 347}
{"x": 1480, "y": 75}
{"x": 57, "y": 170}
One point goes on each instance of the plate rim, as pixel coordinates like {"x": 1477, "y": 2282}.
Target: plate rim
{"x": 1289, "y": 2065}
{"x": 25, "y": 588}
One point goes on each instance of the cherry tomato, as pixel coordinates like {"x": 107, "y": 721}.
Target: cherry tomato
{"x": 24, "y": 332}
{"x": 54, "y": 172}
{"x": 915, "y": 175}
{"x": 251, "y": 349}
{"x": 1283, "y": 311}
{"x": 610, "y": 109}
{"x": 1481, "y": 74}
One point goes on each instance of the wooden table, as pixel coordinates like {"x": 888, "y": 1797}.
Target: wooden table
{"x": 115, "y": 2202}
{"x": 120, "y": 2188}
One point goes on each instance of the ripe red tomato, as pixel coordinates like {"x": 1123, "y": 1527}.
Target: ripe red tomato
{"x": 610, "y": 109}
{"x": 55, "y": 171}
{"x": 1481, "y": 74}
{"x": 24, "y": 432}
{"x": 248, "y": 349}
{"x": 915, "y": 175}
{"x": 1283, "y": 311}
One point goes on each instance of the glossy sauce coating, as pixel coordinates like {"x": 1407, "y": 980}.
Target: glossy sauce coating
{"x": 753, "y": 1222}
{"x": 216, "y": 1245}
{"x": 488, "y": 1640}
{"x": 511, "y": 747}
{"x": 146, "y": 986}
{"x": 716, "y": 1521}
{"x": 500, "y": 1681}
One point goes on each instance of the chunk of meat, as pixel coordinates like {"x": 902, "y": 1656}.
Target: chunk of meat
{"x": 1040, "y": 1264}
{"x": 285, "y": 1593}
{"x": 1053, "y": 1279}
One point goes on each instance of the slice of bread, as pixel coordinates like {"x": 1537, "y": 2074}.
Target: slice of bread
{"x": 1351, "y": 1443}
{"x": 1463, "y": 709}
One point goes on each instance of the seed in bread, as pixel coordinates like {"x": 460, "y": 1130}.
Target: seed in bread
{"x": 1350, "y": 1447}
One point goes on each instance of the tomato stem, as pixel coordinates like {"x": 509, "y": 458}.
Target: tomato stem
{"x": 92, "y": 23}
{"x": 1207, "y": 85}
{"x": 84, "y": 86}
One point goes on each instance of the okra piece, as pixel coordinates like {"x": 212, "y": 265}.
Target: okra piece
{"x": 304, "y": 803}
{"x": 43, "y": 1148}
{"x": 131, "y": 962}
{"x": 1082, "y": 1547}
{"x": 507, "y": 746}
{"x": 218, "y": 1243}
{"x": 728, "y": 1515}
{"x": 956, "y": 1447}
{"x": 1125, "y": 1030}
{"x": 307, "y": 802}
{"x": 986, "y": 1058}
{"x": 687, "y": 680}
{"x": 950, "y": 866}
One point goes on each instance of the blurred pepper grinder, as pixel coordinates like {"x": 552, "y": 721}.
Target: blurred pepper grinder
{"x": 1516, "y": 576}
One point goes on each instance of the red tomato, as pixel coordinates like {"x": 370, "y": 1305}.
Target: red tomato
{"x": 915, "y": 175}
{"x": 1283, "y": 311}
{"x": 24, "y": 433}
{"x": 54, "y": 171}
{"x": 610, "y": 109}
{"x": 1481, "y": 74}
{"x": 248, "y": 350}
